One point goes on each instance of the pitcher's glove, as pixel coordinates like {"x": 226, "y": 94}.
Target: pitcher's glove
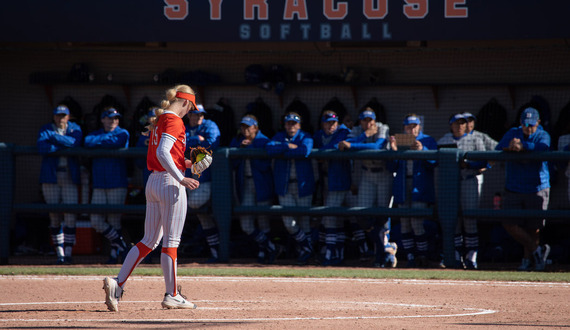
{"x": 201, "y": 159}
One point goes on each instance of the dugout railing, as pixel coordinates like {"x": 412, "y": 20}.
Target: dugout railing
{"x": 446, "y": 213}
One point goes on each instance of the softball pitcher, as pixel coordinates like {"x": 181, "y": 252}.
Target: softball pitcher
{"x": 166, "y": 199}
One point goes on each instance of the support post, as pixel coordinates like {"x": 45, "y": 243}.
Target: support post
{"x": 222, "y": 198}
{"x": 448, "y": 200}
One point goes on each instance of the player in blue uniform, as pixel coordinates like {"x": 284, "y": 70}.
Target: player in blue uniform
{"x": 294, "y": 179}
{"x": 204, "y": 133}
{"x": 337, "y": 181}
{"x": 375, "y": 185}
{"x": 527, "y": 186}
{"x": 466, "y": 233}
{"x": 414, "y": 188}
{"x": 60, "y": 177}
{"x": 254, "y": 186}
{"x": 109, "y": 177}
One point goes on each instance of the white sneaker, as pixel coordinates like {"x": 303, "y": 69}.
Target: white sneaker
{"x": 177, "y": 302}
{"x": 113, "y": 292}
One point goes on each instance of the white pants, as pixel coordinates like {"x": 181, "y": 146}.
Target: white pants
{"x": 415, "y": 224}
{"x": 107, "y": 196}
{"x": 64, "y": 191}
{"x": 375, "y": 187}
{"x": 166, "y": 207}
{"x": 247, "y": 222}
{"x": 334, "y": 198}
{"x": 197, "y": 198}
{"x": 470, "y": 197}
{"x": 409, "y": 224}
{"x": 291, "y": 198}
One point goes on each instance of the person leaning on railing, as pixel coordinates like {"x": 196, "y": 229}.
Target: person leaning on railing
{"x": 336, "y": 178}
{"x": 109, "y": 177}
{"x": 375, "y": 185}
{"x": 466, "y": 237}
{"x": 294, "y": 179}
{"x": 60, "y": 177}
{"x": 254, "y": 186}
{"x": 414, "y": 188}
{"x": 527, "y": 186}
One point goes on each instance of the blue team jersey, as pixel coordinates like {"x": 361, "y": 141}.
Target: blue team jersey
{"x": 279, "y": 145}
{"x": 338, "y": 171}
{"x": 423, "y": 187}
{"x": 527, "y": 176}
{"x": 260, "y": 170}
{"x": 50, "y": 141}
{"x": 109, "y": 172}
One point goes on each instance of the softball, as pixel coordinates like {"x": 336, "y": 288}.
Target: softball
{"x": 200, "y": 157}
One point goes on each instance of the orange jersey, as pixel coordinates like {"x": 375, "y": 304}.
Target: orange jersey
{"x": 172, "y": 125}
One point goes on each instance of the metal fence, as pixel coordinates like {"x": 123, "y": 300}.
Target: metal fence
{"x": 446, "y": 212}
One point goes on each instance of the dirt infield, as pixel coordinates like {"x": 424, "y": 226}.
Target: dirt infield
{"x": 285, "y": 303}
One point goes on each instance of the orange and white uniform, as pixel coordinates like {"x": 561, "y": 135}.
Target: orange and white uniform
{"x": 166, "y": 199}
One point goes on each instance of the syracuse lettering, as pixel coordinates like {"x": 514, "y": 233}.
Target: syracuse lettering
{"x": 256, "y": 18}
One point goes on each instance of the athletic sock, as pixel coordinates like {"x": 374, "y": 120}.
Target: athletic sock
{"x": 68, "y": 240}
{"x": 330, "y": 240}
{"x": 458, "y": 243}
{"x": 408, "y": 243}
{"x": 472, "y": 246}
{"x": 359, "y": 237}
{"x": 134, "y": 257}
{"x": 168, "y": 262}
{"x": 114, "y": 236}
{"x": 213, "y": 239}
{"x": 260, "y": 238}
{"x": 57, "y": 238}
{"x": 421, "y": 244}
{"x": 303, "y": 241}
{"x": 340, "y": 238}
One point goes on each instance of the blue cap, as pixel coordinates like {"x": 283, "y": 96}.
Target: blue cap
{"x": 412, "y": 120}
{"x": 111, "y": 113}
{"x": 292, "y": 117}
{"x": 529, "y": 117}
{"x": 199, "y": 109}
{"x": 329, "y": 117}
{"x": 469, "y": 115}
{"x": 61, "y": 110}
{"x": 367, "y": 114}
{"x": 248, "y": 121}
{"x": 456, "y": 117}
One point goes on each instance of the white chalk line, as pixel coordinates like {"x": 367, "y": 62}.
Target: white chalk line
{"x": 298, "y": 280}
{"x": 465, "y": 312}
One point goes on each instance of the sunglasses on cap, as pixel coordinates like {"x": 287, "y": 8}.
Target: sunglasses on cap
{"x": 292, "y": 117}
{"x": 329, "y": 117}
{"x": 111, "y": 113}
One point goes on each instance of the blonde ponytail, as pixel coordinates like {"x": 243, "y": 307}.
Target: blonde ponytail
{"x": 165, "y": 104}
